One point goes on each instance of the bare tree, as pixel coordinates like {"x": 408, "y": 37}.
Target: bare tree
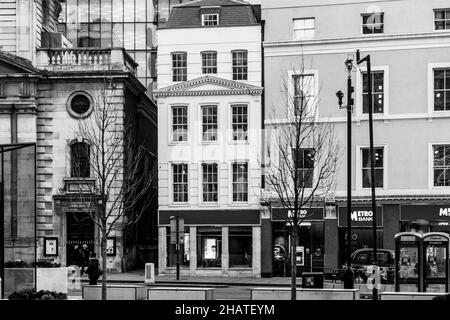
{"x": 302, "y": 155}
{"x": 124, "y": 171}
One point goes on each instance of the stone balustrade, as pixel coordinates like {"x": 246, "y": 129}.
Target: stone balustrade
{"x": 84, "y": 59}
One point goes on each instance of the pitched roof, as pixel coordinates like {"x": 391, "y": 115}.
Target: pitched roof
{"x": 17, "y": 64}
{"x": 232, "y": 13}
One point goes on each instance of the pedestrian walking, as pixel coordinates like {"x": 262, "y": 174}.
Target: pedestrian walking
{"x": 80, "y": 258}
{"x": 93, "y": 269}
{"x": 86, "y": 253}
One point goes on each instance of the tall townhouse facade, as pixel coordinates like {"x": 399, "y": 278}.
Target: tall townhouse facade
{"x": 409, "y": 45}
{"x": 45, "y": 92}
{"x": 209, "y": 116}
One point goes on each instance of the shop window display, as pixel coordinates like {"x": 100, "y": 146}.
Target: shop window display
{"x": 240, "y": 246}
{"x": 209, "y": 247}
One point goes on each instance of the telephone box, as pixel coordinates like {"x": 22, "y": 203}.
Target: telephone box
{"x": 435, "y": 260}
{"x": 408, "y": 270}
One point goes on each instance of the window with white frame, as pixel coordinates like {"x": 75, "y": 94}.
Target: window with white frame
{"x": 240, "y": 64}
{"x": 210, "y": 19}
{"x": 210, "y": 182}
{"x": 441, "y": 89}
{"x": 240, "y": 181}
{"x": 239, "y": 122}
{"x": 441, "y": 165}
{"x": 209, "y": 62}
{"x": 304, "y": 163}
{"x": 372, "y": 23}
{"x": 180, "y": 182}
{"x": 179, "y": 66}
{"x": 442, "y": 19}
{"x": 304, "y": 28}
{"x": 378, "y": 92}
{"x": 209, "y": 123}
{"x": 179, "y": 123}
{"x": 304, "y": 93}
{"x": 378, "y": 167}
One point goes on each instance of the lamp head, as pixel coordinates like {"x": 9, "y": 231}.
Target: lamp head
{"x": 349, "y": 63}
{"x": 340, "y": 95}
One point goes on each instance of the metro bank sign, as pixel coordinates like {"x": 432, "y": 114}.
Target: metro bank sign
{"x": 360, "y": 216}
{"x": 427, "y": 212}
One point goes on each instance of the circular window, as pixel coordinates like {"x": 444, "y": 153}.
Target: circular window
{"x": 79, "y": 104}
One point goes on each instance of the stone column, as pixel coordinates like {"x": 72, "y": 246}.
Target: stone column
{"x": 192, "y": 250}
{"x": 225, "y": 254}
{"x": 162, "y": 250}
{"x": 331, "y": 244}
{"x": 256, "y": 254}
{"x": 266, "y": 242}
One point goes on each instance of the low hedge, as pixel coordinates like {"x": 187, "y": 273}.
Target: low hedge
{"x": 38, "y": 264}
{"x": 31, "y": 294}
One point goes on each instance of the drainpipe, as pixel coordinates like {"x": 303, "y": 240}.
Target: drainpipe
{"x": 13, "y": 175}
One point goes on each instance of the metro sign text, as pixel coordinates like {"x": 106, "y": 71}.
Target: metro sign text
{"x": 362, "y": 215}
{"x": 444, "y": 212}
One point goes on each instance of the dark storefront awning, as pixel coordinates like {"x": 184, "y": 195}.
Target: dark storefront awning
{"x": 425, "y": 212}
{"x": 212, "y": 217}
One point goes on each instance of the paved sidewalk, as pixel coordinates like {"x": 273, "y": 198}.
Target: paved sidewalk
{"x": 138, "y": 277}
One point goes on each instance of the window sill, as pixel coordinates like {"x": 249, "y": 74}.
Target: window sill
{"x": 243, "y": 268}
{"x": 239, "y": 142}
{"x": 184, "y": 143}
{"x": 212, "y": 268}
{"x": 207, "y": 143}
{"x": 209, "y": 205}
{"x": 239, "y": 204}
{"x": 178, "y": 205}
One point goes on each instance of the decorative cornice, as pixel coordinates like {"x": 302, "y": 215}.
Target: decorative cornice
{"x": 232, "y": 88}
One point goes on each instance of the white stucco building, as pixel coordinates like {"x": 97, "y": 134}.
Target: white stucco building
{"x": 209, "y": 120}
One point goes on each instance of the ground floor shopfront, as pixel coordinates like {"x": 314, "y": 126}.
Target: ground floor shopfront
{"x": 323, "y": 232}
{"x": 214, "y": 243}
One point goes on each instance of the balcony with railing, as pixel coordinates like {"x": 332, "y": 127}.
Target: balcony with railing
{"x": 85, "y": 59}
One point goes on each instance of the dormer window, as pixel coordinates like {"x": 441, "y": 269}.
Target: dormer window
{"x": 210, "y": 19}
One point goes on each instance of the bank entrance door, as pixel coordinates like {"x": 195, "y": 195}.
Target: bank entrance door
{"x": 80, "y": 230}
{"x": 309, "y": 250}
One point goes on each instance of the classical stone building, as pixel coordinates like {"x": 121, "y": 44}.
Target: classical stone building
{"x": 44, "y": 94}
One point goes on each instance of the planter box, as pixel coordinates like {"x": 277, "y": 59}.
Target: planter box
{"x": 410, "y": 295}
{"x": 114, "y": 292}
{"x": 52, "y": 279}
{"x": 180, "y": 293}
{"x": 17, "y": 279}
{"x": 303, "y": 294}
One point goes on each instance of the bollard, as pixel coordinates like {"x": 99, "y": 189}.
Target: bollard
{"x": 347, "y": 278}
{"x": 149, "y": 273}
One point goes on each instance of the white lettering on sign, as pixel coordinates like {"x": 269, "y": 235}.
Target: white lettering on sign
{"x": 444, "y": 212}
{"x": 302, "y": 214}
{"x": 361, "y": 216}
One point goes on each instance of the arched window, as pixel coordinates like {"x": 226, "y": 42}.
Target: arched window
{"x": 79, "y": 160}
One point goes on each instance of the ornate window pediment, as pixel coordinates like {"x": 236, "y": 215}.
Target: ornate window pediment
{"x": 209, "y": 85}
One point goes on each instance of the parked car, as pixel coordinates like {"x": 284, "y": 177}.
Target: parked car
{"x": 361, "y": 259}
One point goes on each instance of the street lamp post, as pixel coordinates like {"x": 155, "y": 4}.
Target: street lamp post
{"x": 372, "y": 161}
{"x": 348, "y": 275}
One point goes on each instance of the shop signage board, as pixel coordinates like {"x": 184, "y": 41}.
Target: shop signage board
{"x": 361, "y": 216}
{"x": 211, "y": 217}
{"x": 426, "y": 212}
{"x": 307, "y": 214}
